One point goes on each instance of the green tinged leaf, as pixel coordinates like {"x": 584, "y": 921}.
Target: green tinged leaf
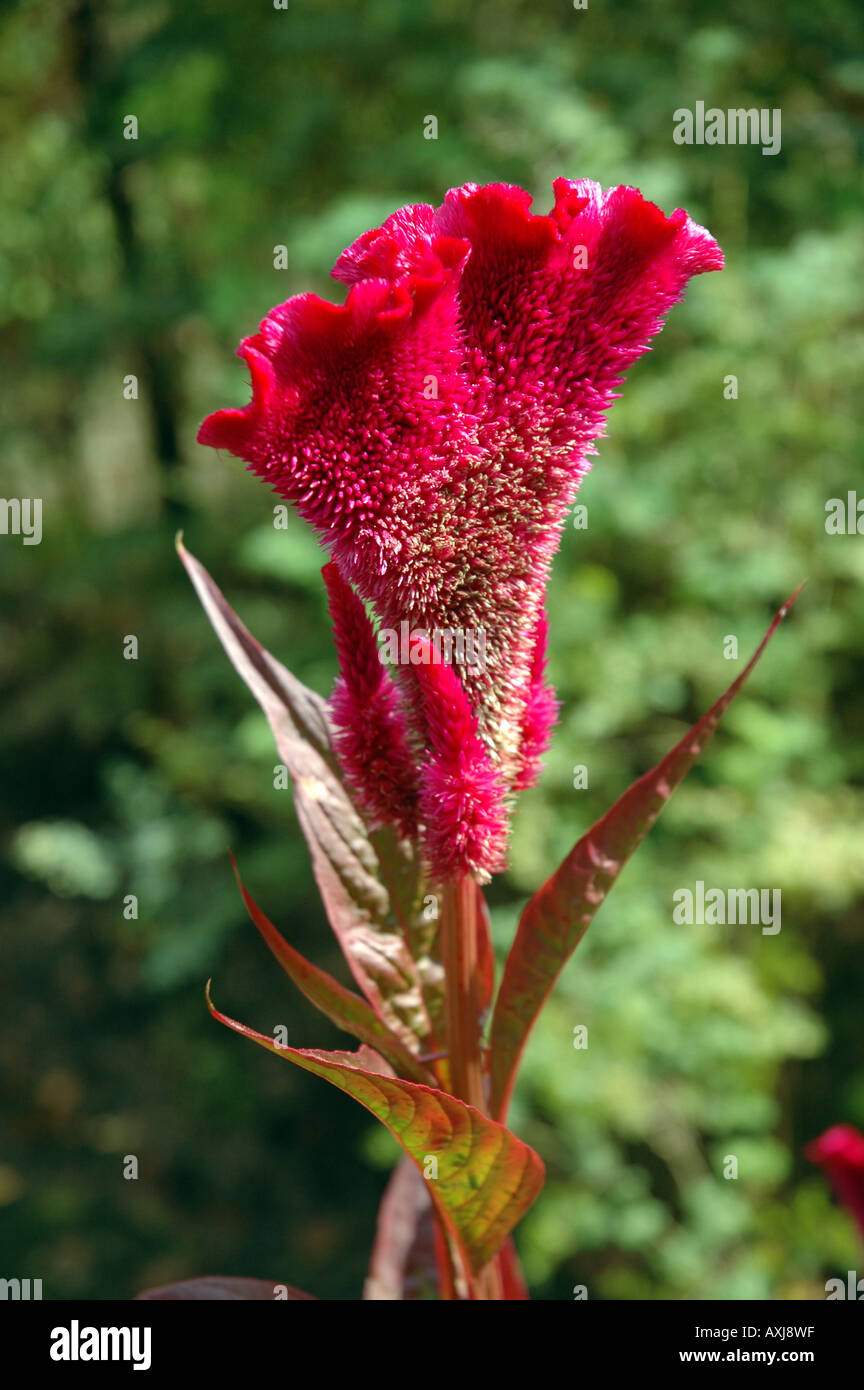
{"x": 487, "y": 1178}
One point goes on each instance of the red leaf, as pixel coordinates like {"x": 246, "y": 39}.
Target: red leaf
{"x": 559, "y": 914}
{"x": 214, "y": 1287}
{"x": 512, "y": 1280}
{"x": 345, "y": 1008}
{"x": 487, "y": 1178}
{"x": 403, "y": 1265}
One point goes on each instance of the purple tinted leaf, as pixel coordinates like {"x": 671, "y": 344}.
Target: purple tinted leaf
{"x": 344, "y": 860}
{"x": 225, "y": 1290}
{"x": 403, "y": 1266}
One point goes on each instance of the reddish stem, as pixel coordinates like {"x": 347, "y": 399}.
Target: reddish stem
{"x": 459, "y": 954}
{"x": 460, "y": 957}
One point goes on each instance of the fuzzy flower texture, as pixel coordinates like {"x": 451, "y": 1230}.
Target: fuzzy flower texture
{"x": 434, "y": 429}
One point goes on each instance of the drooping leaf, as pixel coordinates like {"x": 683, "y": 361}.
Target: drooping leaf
{"x": 557, "y": 917}
{"x": 225, "y": 1290}
{"x": 342, "y": 1006}
{"x": 487, "y": 1178}
{"x": 344, "y": 860}
{"x": 288, "y": 704}
{"x": 403, "y": 1265}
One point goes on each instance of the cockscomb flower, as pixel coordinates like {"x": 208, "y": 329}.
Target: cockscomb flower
{"x": 461, "y": 801}
{"x": 541, "y": 711}
{"x": 435, "y": 427}
{"x": 840, "y": 1154}
{"x": 372, "y": 741}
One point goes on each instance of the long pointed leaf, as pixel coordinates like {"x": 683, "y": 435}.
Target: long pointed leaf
{"x": 559, "y": 914}
{"x": 281, "y": 696}
{"x": 487, "y": 1178}
{"x": 342, "y": 1006}
{"x": 344, "y": 861}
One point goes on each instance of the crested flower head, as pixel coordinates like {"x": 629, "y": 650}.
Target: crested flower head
{"x": 435, "y": 427}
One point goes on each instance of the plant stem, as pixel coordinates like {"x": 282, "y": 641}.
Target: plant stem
{"x": 459, "y": 956}
{"x": 444, "y": 1261}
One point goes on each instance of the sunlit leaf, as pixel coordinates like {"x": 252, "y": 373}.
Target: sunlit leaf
{"x": 486, "y": 1177}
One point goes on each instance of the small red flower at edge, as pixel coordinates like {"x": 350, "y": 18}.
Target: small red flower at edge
{"x": 840, "y": 1153}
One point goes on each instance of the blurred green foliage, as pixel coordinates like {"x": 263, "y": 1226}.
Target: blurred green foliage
{"x": 260, "y": 127}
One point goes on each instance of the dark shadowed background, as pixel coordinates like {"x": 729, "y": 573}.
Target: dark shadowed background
{"x": 259, "y": 128}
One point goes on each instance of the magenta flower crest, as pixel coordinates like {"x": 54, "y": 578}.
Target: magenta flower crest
{"x": 434, "y": 429}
